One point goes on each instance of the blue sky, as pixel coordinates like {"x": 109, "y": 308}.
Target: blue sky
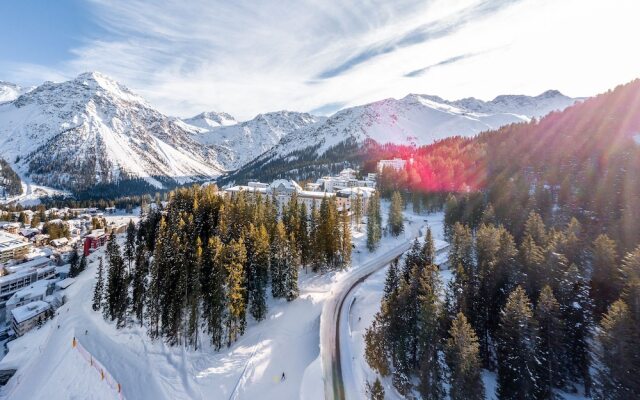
{"x": 246, "y": 57}
{"x": 43, "y": 32}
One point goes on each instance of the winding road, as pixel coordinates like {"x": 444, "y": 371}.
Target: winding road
{"x": 332, "y": 311}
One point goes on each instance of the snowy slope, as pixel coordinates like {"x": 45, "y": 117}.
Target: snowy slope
{"x": 73, "y": 135}
{"x": 286, "y": 341}
{"x": 422, "y": 119}
{"x": 240, "y": 143}
{"x": 11, "y": 91}
{"x": 210, "y": 119}
{"x": 412, "y": 120}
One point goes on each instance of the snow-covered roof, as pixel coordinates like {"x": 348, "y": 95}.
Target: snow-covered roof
{"x": 314, "y": 195}
{"x": 96, "y": 233}
{"x": 65, "y": 283}
{"x": 38, "y": 288}
{"x": 64, "y": 269}
{"x": 29, "y": 231}
{"x": 9, "y": 241}
{"x": 35, "y": 263}
{"x": 365, "y": 191}
{"x": 60, "y": 242}
{"x": 243, "y": 188}
{"x": 28, "y": 311}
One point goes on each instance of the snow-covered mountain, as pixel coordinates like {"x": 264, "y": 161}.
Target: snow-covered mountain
{"x": 239, "y": 144}
{"x": 92, "y": 130}
{"x": 11, "y": 91}
{"x": 412, "y": 120}
{"x": 210, "y": 119}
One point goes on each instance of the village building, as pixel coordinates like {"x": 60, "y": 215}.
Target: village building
{"x": 97, "y": 238}
{"x": 22, "y": 275}
{"x": 12, "y": 247}
{"x": 11, "y": 227}
{"x": 345, "y": 188}
{"x": 396, "y": 164}
{"x": 35, "y": 292}
{"x": 28, "y": 316}
{"x": 60, "y": 242}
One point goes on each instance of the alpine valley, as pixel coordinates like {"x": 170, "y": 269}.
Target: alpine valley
{"x": 93, "y": 135}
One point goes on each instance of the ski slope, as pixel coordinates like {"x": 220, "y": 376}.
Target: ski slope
{"x": 287, "y": 341}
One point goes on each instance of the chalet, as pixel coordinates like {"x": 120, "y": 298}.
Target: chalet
{"x": 97, "y": 238}
{"x": 11, "y": 227}
{"x": 60, "y": 242}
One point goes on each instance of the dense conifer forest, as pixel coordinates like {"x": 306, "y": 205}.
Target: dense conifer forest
{"x": 544, "y": 232}
{"x": 197, "y": 269}
{"x": 10, "y": 183}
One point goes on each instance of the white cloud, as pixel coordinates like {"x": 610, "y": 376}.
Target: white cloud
{"x": 246, "y": 57}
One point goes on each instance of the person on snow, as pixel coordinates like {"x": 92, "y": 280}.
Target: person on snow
{"x": 283, "y": 377}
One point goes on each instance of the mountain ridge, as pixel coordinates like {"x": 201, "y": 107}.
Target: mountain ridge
{"x": 412, "y": 120}
{"x": 93, "y": 130}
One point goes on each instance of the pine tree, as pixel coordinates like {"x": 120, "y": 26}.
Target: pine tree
{"x": 531, "y": 266}
{"x": 517, "y": 372}
{"x": 345, "y": 242}
{"x": 550, "y": 345}
{"x": 357, "y": 210}
{"x": 575, "y": 307}
{"x": 214, "y": 290}
{"x": 139, "y": 283}
{"x": 279, "y": 254}
{"x": 193, "y": 294}
{"x": 302, "y": 236}
{"x": 116, "y": 284}
{"x": 82, "y": 265}
{"x": 630, "y": 269}
{"x": 428, "y": 254}
{"x": 396, "y": 223}
{"x": 158, "y": 275}
{"x": 462, "y": 354}
{"x": 428, "y": 332}
{"x": 315, "y": 252}
{"x": 74, "y": 262}
{"x": 291, "y": 270}
{"x": 130, "y": 245}
{"x": 234, "y": 256}
{"x": 618, "y": 355}
{"x": 392, "y": 282}
{"x": 534, "y": 227}
{"x": 376, "y": 391}
{"x": 412, "y": 259}
{"x": 375, "y": 339}
{"x": 98, "y": 291}
{"x": 374, "y": 230}
{"x": 488, "y": 215}
{"x": 258, "y": 269}
{"x": 606, "y": 282}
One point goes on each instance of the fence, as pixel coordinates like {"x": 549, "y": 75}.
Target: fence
{"x": 102, "y": 371}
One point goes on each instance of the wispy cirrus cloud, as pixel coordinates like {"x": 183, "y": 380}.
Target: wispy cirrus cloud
{"x": 451, "y": 60}
{"x": 247, "y": 57}
{"x": 430, "y": 31}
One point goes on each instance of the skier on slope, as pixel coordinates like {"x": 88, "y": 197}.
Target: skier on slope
{"x": 283, "y": 377}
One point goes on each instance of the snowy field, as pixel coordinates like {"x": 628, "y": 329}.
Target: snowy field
{"x": 287, "y": 341}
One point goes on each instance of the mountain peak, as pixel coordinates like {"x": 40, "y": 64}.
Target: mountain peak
{"x": 10, "y": 91}
{"x": 550, "y": 93}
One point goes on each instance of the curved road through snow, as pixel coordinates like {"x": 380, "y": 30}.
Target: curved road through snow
{"x": 332, "y": 311}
